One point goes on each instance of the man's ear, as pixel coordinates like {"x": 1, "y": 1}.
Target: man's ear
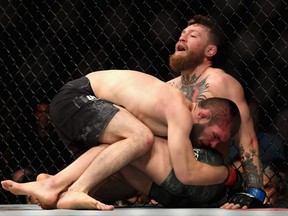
{"x": 211, "y": 50}
{"x": 203, "y": 116}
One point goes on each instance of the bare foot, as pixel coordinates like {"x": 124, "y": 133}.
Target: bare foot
{"x": 80, "y": 200}
{"x": 40, "y": 177}
{"x": 42, "y": 190}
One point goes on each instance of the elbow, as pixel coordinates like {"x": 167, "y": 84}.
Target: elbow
{"x": 185, "y": 177}
{"x": 189, "y": 175}
{"x": 185, "y": 180}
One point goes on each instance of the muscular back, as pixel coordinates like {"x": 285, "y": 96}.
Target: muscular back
{"x": 143, "y": 95}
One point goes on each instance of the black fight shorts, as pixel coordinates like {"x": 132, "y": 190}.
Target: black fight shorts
{"x": 172, "y": 193}
{"x": 79, "y": 116}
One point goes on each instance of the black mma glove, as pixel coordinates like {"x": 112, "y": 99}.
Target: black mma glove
{"x": 234, "y": 181}
{"x": 254, "y": 198}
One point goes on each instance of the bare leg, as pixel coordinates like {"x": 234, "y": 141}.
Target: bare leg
{"x": 136, "y": 140}
{"x": 88, "y": 181}
{"x": 48, "y": 189}
{"x": 80, "y": 200}
{"x": 157, "y": 157}
{"x": 112, "y": 189}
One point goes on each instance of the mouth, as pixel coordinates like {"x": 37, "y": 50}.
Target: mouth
{"x": 180, "y": 48}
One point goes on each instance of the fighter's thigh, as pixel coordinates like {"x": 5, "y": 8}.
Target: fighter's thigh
{"x": 123, "y": 125}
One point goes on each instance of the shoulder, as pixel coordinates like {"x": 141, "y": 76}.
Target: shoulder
{"x": 176, "y": 82}
{"x": 225, "y": 85}
{"x": 220, "y": 75}
{"x": 222, "y": 82}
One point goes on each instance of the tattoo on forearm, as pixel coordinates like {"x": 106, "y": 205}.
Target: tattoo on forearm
{"x": 253, "y": 176}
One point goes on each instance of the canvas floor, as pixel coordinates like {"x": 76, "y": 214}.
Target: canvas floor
{"x": 31, "y": 210}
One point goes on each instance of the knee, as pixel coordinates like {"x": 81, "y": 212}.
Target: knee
{"x": 150, "y": 139}
{"x": 146, "y": 137}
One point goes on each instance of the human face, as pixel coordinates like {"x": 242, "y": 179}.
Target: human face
{"x": 209, "y": 136}
{"x": 190, "y": 49}
{"x": 41, "y": 113}
{"x": 43, "y": 121}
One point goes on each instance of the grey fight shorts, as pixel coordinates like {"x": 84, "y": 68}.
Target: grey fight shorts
{"x": 79, "y": 116}
{"x": 172, "y": 193}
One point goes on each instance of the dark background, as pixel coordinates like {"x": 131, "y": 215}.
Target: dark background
{"x": 47, "y": 43}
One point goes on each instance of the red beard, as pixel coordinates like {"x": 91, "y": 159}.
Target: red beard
{"x": 180, "y": 63}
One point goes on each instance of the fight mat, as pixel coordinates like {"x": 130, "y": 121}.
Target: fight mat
{"x": 34, "y": 210}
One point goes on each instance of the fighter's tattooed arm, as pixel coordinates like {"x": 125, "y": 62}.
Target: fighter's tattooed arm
{"x": 253, "y": 177}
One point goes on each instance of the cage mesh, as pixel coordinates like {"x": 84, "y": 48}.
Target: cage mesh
{"x": 44, "y": 44}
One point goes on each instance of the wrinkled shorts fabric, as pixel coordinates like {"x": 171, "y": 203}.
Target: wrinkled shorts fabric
{"x": 172, "y": 193}
{"x": 79, "y": 116}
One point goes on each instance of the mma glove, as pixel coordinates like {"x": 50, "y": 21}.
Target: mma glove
{"x": 254, "y": 198}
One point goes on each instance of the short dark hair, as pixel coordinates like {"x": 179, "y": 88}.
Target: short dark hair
{"x": 223, "y": 112}
{"x": 216, "y": 35}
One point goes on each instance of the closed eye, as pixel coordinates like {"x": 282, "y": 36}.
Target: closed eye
{"x": 217, "y": 137}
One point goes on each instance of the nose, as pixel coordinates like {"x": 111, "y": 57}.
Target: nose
{"x": 214, "y": 143}
{"x": 182, "y": 37}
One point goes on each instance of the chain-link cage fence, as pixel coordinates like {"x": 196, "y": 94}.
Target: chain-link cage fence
{"x": 46, "y": 43}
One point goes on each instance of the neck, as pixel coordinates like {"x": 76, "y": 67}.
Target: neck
{"x": 194, "y": 73}
{"x": 197, "y": 70}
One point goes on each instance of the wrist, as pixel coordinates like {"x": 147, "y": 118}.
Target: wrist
{"x": 232, "y": 176}
{"x": 257, "y": 193}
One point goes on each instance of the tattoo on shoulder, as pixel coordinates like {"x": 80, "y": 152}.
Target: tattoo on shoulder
{"x": 174, "y": 84}
{"x": 195, "y": 91}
